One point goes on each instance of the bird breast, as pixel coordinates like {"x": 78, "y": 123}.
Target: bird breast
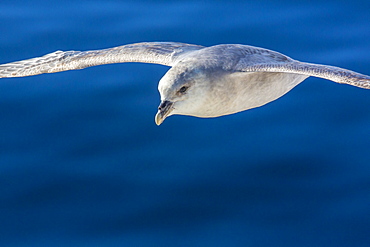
{"x": 239, "y": 91}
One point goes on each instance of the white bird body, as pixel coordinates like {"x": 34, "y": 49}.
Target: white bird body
{"x": 245, "y": 90}
{"x": 202, "y": 81}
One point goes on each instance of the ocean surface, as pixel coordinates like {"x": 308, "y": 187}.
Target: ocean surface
{"x": 82, "y": 162}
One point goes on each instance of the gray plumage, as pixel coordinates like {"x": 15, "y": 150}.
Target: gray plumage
{"x": 248, "y": 58}
{"x": 229, "y": 78}
{"x": 152, "y": 52}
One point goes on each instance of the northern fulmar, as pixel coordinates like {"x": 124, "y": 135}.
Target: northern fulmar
{"x": 202, "y": 81}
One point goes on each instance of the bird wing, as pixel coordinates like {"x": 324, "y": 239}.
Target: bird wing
{"x": 164, "y": 53}
{"x": 276, "y": 62}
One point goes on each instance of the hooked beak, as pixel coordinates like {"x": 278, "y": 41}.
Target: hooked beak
{"x": 164, "y": 110}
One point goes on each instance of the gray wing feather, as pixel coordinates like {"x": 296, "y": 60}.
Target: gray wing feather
{"x": 164, "y": 53}
{"x": 332, "y": 73}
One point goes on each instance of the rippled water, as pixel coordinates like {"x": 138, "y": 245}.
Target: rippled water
{"x": 83, "y": 164}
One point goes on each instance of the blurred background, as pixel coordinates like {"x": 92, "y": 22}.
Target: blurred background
{"x": 82, "y": 162}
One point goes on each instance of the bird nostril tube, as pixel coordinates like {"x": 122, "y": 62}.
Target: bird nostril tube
{"x": 164, "y": 105}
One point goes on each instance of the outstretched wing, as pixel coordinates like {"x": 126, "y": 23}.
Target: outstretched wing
{"x": 332, "y": 73}
{"x": 164, "y": 53}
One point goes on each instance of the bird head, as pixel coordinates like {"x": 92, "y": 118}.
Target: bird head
{"x": 183, "y": 91}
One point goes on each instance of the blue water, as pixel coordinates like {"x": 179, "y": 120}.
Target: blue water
{"x": 82, "y": 162}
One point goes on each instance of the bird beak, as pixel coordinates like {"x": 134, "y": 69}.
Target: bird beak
{"x": 164, "y": 110}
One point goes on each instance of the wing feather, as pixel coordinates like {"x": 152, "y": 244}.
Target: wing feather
{"x": 164, "y": 53}
{"x": 332, "y": 73}
{"x": 255, "y": 59}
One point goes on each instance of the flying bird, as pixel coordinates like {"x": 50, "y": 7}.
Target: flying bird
{"x": 202, "y": 81}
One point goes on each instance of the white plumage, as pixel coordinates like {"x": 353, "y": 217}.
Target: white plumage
{"x": 202, "y": 81}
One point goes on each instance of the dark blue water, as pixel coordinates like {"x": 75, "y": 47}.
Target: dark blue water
{"x": 82, "y": 162}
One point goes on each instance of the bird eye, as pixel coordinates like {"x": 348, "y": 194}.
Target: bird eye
{"x": 183, "y": 89}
